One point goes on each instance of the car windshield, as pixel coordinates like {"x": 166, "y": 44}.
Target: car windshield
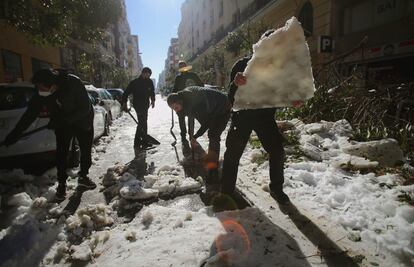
{"x": 15, "y": 97}
{"x": 105, "y": 94}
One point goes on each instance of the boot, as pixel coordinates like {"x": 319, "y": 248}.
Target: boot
{"x": 60, "y": 192}
{"x": 86, "y": 182}
{"x": 280, "y": 197}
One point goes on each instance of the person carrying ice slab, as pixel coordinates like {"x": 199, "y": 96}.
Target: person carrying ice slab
{"x": 278, "y": 74}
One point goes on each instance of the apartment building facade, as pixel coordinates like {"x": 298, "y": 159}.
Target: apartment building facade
{"x": 20, "y": 58}
{"x": 381, "y": 28}
{"x": 135, "y": 65}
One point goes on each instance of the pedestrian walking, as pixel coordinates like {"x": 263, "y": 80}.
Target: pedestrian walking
{"x": 71, "y": 115}
{"x": 142, "y": 90}
{"x": 243, "y": 122}
{"x": 211, "y": 109}
{"x": 180, "y": 83}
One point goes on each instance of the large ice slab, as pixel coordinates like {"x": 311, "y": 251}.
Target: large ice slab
{"x": 279, "y": 72}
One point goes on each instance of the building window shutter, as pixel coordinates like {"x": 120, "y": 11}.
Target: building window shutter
{"x": 306, "y": 18}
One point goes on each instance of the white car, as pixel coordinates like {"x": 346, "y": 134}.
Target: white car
{"x": 41, "y": 145}
{"x": 13, "y": 103}
{"x": 105, "y": 99}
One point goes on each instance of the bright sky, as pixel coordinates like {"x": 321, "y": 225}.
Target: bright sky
{"x": 155, "y": 22}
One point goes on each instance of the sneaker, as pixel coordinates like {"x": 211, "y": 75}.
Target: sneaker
{"x": 86, "y": 182}
{"x": 60, "y": 192}
{"x": 280, "y": 196}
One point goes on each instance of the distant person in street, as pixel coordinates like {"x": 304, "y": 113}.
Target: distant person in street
{"x": 211, "y": 108}
{"x": 243, "y": 122}
{"x": 142, "y": 90}
{"x": 71, "y": 115}
{"x": 180, "y": 83}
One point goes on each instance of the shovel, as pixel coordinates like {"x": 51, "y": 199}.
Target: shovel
{"x": 148, "y": 138}
{"x": 29, "y": 133}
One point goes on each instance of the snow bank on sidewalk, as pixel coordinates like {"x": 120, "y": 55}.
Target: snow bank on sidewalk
{"x": 372, "y": 208}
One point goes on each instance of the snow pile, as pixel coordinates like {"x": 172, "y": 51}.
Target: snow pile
{"x": 120, "y": 180}
{"x": 279, "y": 72}
{"x": 169, "y": 182}
{"x": 15, "y": 176}
{"x": 327, "y": 141}
{"x": 387, "y": 151}
{"x": 25, "y": 196}
{"x": 91, "y": 218}
{"x": 90, "y": 248}
{"x": 113, "y": 174}
{"x": 328, "y": 184}
{"x": 134, "y": 190}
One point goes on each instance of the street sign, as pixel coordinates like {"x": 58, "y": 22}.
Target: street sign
{"x": 325, "y": 44}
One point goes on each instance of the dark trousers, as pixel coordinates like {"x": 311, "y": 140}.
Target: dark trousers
{"x": 63, "y": 140}
{"x": 142, "y": 127}
{"x": 237, "y": 138}
{"x": 216, "y": 127}
{"x": 181, "y": 120}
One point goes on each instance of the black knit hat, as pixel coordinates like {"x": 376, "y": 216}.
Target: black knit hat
{"x": 147, "y": 70}
{"x": 47, "y": 77}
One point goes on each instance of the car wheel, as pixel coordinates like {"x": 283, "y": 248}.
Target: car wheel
{"x": 74, "y": 154}
{"x": 106, "y": 127}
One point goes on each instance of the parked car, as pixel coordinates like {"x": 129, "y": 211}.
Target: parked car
{"x": 40, "y": 147}
{"x": 116, "y": 93}
{"x": 13, "y": 103}
{"x": 104, "y": 98}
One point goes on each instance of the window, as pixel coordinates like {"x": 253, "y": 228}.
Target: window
{"x": 370, "y": 14}
{"x": 306, "y": 18}
{"x": 12, "y": 66}
{"x": 221, "y": 8}
{"x": 211, "y": 17}
{"x": 39, "y": 64}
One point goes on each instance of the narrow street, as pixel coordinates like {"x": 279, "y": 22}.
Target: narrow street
{"x": 117, "y": 149}
{"x": 149, "y": 201}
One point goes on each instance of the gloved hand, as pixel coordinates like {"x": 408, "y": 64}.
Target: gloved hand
{"x": 11, "y": 138}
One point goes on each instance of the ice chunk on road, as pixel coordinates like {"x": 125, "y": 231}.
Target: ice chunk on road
{"x": 133, "y": 190}
{"x": 279, "y": 72}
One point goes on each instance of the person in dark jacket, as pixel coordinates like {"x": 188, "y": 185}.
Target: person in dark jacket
{"x": 142, "y": 90}
{"x": 71, "y": 115}
{"x": 180, "y": 84}
{"x": 243, "y": 122}
{"x": 211, "y": 109}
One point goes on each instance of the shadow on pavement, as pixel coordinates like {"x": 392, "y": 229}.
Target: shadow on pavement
{"x": 193, "y": 162}
{"x": 139, "y": 168}
{"x": 251, "y": 239}
{"x": 74, "y": 201}
{"x": 333, "y": 255}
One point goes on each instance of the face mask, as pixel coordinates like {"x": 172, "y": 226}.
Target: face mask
{"x": 44, "y": 93}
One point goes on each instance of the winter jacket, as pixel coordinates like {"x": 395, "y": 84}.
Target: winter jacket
{"x": 181, "y": 81}
{"x": 69, "y": 106}
{"x": 142, "y": 91}
{"x": 205, "y": 105}
{"x": 249, "y": 114}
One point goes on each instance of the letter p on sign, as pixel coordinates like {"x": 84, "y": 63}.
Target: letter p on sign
{"x": 325, "y": 44}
